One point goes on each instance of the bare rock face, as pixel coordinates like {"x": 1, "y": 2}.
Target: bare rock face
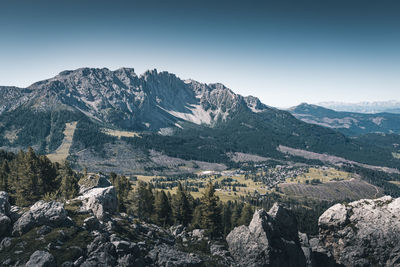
{"x": 165, "y": 255}
{"x": 362, "y": 233}
{"x": 271, "y": 239}
{"x": 5, "y": 221}
{"x": 101, "y": 201}
{"x": 41, "y": 259}
{"x": 41, "y": 213}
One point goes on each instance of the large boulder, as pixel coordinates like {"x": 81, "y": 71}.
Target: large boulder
{"x": 4, "y": 204}
{"x": 101, "y": 201}
{"x": 41, "y": 213}
{"x": 41, "y": 259}
{"x": 362, "y": 233}
{"x": 271, "y": 239}
{"x": 93, "y": 181}
{"x": 5, "y": 221}
{"x": 165, "y": 255}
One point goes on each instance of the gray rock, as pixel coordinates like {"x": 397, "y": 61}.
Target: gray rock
{"x": 100, "y": 252}
{"x": 4, "y": 204}
{"x": 267, "y": 241}
{"x": 93, "y": 181}
{"x": 41, "y": 213}
{"x": 164, "y": 255}
{"x": 91, "y": 223}
{"x": 44, "y": 230}
{"x": 101, "y": 201}
{"x": 5, "y": 225}
{"x": 362, "y": 233}
{"x": 41, "y": 259}
{"x": 198, "y": 233}
{"x": 5, "y": 243}
{"x": 15, "y": 213}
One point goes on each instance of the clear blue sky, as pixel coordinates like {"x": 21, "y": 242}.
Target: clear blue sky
{"x": 284, "y": 52}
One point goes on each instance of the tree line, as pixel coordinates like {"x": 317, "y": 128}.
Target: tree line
{"x": 29, "y": 177}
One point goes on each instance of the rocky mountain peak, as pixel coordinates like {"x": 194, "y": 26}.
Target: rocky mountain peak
{"x": 125, "y": 100}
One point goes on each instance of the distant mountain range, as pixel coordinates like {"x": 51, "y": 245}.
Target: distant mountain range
{"x": 364, "y": 107}
{"x": 120, "y": 121}
{"x": 349, "y": 123}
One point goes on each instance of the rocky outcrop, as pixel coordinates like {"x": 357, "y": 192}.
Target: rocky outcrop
{"x": 271, "y": 239}
{"x": 4, "y": 204}
{"x": 164, "y": 255}
{"x": 41, "y": 213}
{"x": 101, "y": 201}
{"x": 5, "y": 221}
{"x": 93, "y": 181}
{"x": 41, "y": 259}
{"x": 362, "y": 233}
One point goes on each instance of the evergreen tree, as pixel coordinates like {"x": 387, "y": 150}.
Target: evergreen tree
{"x": 4, "y": 174}
{"x": 181, "y": 206}
{"x": 226, "y": 217}
{"x": 211, "y": 212}
{"x": 246, "y": 215}
{"x": 69, "y": 187}
{"x": 162, "y": 208}
{"x": 236, "y": 211}
{"x": 141, "y": 201}
{"x": 122, "y": 186}
{"x": 197, "y": 217}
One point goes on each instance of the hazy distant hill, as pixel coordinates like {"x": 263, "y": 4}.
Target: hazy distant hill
{"x": 349, "y": 123}
{"x": 364, "y": 107}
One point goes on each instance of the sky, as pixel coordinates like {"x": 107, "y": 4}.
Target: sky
{"x": 284, "y": 52}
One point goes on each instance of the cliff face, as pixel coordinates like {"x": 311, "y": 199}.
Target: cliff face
{"x": 121, "y": 98}
{"x": 363, "y": 233}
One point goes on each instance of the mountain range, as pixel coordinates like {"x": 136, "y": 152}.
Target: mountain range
{"x": 349, "y": 123}
{"x": 116, "y": 120}
{"x": 391, "y": 106}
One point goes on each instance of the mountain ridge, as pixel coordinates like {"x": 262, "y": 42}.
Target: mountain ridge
{"x": 349, "y": 123}
{"x": 180, "y": 118}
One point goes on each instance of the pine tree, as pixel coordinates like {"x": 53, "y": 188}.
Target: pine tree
{"x": 4, "y": 176}
{"x": 181, "y": 206}
{"x": 122, "y": 186}
{"x": 197, "y": 217}
{"x": 211, "y": 212}
{"x": 141, "y": 201}
{"x": 162, "y": 208}
{"x": 246, "y": 215}
{"x": 69, "y": 187}
{"x": 236, "y": 211}
{"x": 26, "y": 189}
{"x": 226, "y": 217}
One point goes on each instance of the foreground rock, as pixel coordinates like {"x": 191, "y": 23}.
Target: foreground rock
{"x": 362, "y": 233}
{"x": 271, "y": 239}
{"x": 5, "y": 221}
{"x": 41, "y": 213}
{"x": 101, "y": 201}
{"x": 41, "y": 259}
{"x": 164, "y": 255}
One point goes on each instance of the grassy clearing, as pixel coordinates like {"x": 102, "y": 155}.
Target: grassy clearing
{"x": 120, "y": 134}
{"x": 324, "y": 175}
{"x": 340, "y": 190}
{"x": 225, "y": 193}
{"x": 62, "y": 151}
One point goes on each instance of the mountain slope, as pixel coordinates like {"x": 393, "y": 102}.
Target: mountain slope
{"x": 180, "y": 118}
{"x": 349, "y": 123}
